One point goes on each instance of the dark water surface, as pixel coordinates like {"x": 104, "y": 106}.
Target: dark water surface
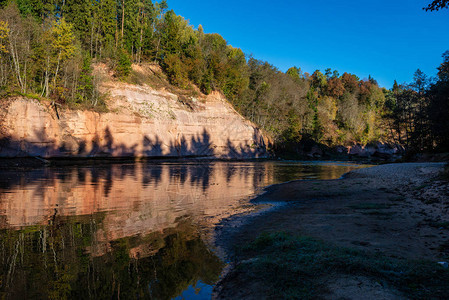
{"x": 126, "y": 230}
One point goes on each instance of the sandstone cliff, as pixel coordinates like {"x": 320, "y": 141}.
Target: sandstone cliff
{"x": 141, "y": 122}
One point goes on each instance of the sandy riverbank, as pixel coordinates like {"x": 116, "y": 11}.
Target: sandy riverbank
{"x": 391, "y": 216}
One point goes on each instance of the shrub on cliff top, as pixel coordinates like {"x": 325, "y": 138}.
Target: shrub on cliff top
{"x": 123, "y": 64}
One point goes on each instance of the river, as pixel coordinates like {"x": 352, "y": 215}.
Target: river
{"x": 133, "y": 230}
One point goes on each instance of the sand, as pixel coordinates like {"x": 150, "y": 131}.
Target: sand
{"x": 398, "y": 210}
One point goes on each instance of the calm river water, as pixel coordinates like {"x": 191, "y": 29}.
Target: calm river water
{"x": 126, "y": 230}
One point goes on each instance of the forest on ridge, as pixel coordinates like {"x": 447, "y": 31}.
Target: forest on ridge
{"x": 47, "y": 49}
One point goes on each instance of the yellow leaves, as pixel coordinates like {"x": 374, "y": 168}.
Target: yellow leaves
{"x": 236, "y": 54}
{"x": 4, "y": 33}
{"x": 327, "y": 108}
{"x": 63, "y": 39}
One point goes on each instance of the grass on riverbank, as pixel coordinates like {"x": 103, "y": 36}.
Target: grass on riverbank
{"x": 286, "y": 266}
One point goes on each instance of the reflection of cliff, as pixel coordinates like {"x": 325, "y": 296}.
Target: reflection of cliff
{"x": 142, "y": 197}
{"x": 50, "y": 262}
{"x": 142, "y": 122}
{"x": 128, "y": 230}
{"x": 135, "y": 198}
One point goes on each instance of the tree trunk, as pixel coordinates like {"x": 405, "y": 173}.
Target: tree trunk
{"x": 16, "y": 62}
{"x": 123, "y": 18}
{"x": 57, "y": 70}
{"x": 157, "y": 50}
{"x": 141, "y": 39}
{"x": 46, "y": 79}
{"x": 62, "y": 8}
{"x": 116, "y": 33}
{"x": 92, "y": 38}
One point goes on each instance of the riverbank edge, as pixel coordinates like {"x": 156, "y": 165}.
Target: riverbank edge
{"x": 39, "y": 162}
{"x": 222, "y": 246}
{"x": 226, "y": 232}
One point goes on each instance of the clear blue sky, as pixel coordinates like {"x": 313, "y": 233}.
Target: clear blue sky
{"x": 387, "y": 39}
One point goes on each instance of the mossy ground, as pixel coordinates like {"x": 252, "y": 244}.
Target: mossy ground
{"x": 295, "y": 266}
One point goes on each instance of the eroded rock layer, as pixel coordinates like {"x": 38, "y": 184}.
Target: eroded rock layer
{"x": 141, "y": 122}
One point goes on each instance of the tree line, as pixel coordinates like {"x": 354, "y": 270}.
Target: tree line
{"x": 418, "y": 112}
{"x": 47, "y": 49}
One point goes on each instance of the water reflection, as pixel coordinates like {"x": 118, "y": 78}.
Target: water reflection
{"x": 125, "y": 230}
{"x": 58, "y": 261}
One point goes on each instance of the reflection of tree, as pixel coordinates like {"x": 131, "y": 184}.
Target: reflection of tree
{"x": 65, "y": 259}
{"x": 56, "y": 261}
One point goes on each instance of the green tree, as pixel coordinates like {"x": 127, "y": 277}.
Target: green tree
{"x": 19, "y": 39}
{"x": 60, "y": 40}
{"x": 104, "y": 41}
{"x": 124, "y": 64}
{"x": 40, "y": 9}
{"x": 86, "y": 90}
{"x": 328, "y": 73}
{"x": 81, "y": 14}
{"x": 63, "y": 41}
{"x": 319, "y": 80}
{"x": 295, "y": 73}
{"x": 395, "y": 87}
{"x": 420, "y": 81}
{"x": 335, "y": 74}
{"x": 178, "y": 41}
{"x": 215, "y": 52}
{"x": 443, "y": 69}
{"x": 438, "y": 107}
{"x": 237, "y": 79}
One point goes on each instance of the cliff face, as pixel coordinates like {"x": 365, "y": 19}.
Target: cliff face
{"x": 141, "y": 122}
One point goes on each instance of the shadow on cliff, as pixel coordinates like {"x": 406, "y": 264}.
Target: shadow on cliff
{"x": 103, "y": 145}
{"x": 257, "y": 149}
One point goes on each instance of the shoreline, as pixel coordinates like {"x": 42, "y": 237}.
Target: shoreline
{"x": 39, "y": 162}
{"x": 397, "y": 211}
